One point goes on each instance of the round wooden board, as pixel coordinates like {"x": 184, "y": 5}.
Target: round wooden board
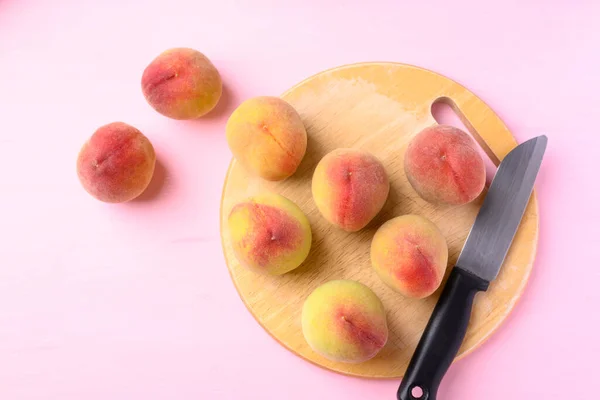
{"x": 377, "y": 107}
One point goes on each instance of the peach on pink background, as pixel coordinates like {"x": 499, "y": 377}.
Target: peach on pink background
{"x": 116, "y": 164}
{"x": 182, "y": 83}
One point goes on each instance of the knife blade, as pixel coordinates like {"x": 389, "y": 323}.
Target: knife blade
{"x": 478, "y": 264}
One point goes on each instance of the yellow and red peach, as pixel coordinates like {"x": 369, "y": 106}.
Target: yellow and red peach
{"x": 443, "y": 166}
{"x": 267, "y": 137}
{"x": 350, "y": 187}
{"x": 344, "y": 320}
{"x": 269, "y": 234}
{"x": 182, "y": 83}
{"x": 410, "y": 254}
{"x": 116, "y": 163}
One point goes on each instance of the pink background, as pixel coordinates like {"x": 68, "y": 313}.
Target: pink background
{"x": 134, "y": 301}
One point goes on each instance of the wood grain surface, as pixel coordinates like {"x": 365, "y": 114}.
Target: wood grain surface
{"x": 377, "y": 107}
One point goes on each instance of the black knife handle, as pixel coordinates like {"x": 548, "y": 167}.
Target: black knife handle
{"x": 442, "y": 337}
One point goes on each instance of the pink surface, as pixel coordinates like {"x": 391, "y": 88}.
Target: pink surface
{"x": 134, "y": 301}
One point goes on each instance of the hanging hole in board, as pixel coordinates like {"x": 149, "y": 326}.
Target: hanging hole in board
{"x": 445, "y": 112}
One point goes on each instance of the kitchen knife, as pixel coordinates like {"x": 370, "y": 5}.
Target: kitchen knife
{"x": 478, "y": 264}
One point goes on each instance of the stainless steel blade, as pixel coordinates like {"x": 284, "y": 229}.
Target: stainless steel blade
{"x": 503, "y": 207}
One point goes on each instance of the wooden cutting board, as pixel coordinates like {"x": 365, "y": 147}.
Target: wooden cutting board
{"x": 378, "y": 107}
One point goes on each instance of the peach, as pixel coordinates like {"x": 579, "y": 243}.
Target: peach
{"x": 182, "y": 83}
{"x": 443, "y": 166}
{"x": 267, "y": 137}
{"x": 116, "y": 164}
{"x": 343, "y": 320}
{"x": 410, "y": 254}
{"x": 350, "y": 187}
{"x": 269, "y": 234}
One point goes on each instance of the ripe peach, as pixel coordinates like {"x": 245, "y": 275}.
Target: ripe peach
{"x": 267, "y": 137}
{"x": 182, "y": 83}
{"x": 350, "y": 187}
{"x": 269, "y": 234}
{"x": 443, "y": 166}
{"x": 410, "y": 254}
{"x": 116, "y": 164}
{"x": 344, "y": 321}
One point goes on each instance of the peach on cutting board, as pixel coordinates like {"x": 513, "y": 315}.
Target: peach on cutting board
{"x": 344, "y": 320}
{"x": 267, "y": 137}
{"x": 350, "y": 187}
{"x": 116, "y": 163}
{"x": 410, "y": 254}
{"x": 444, "y": 167}
{"x": 182, "y": 83}
{"x": 269, "y": 234}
